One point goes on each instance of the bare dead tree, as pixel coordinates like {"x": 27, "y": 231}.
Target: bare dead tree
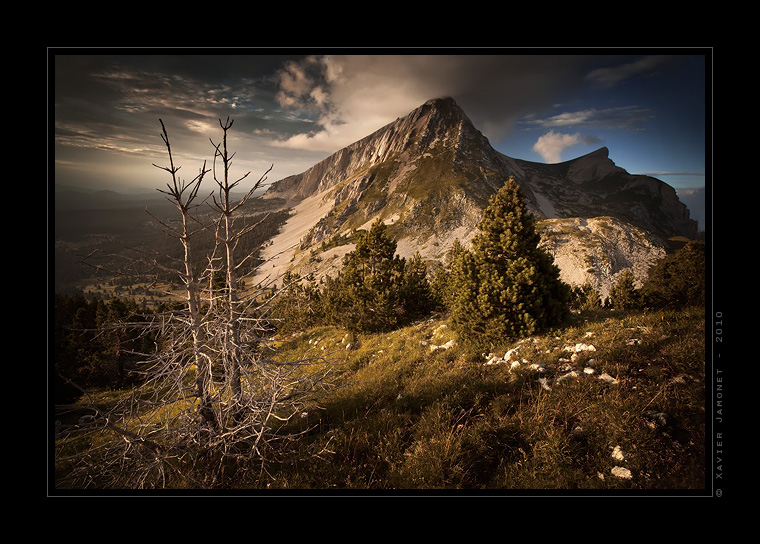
{"x": 230, "y": 238}
{"x": 183, "y": 194}
{"x": 214, "y": 399}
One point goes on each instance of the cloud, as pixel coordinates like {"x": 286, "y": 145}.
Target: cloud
{"x": 351, "y": 96}
{"x": 609, "y": 77}
{"x": 662, "y": 173}
{"x": 348, "y": 96}
{"x": 300, "y": 84}
{"x": 294, "y": 110}
{"x": 624, "y": 117}
{"x": 202, "y": 126}
{"x": 551, "y": 145}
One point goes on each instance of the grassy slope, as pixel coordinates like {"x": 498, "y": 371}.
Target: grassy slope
{"x": 409, "y": 417}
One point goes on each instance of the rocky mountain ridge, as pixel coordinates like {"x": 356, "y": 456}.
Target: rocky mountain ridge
{"x": 429, "y": 176}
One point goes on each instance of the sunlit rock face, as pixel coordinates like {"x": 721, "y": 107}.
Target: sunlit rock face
{"x": 429, "y": 176}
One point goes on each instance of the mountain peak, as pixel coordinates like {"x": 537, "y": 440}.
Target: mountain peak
{"x": 442, "y": 102}
{"x": 446, "y": 108}
{"x": 438, "y": 124}
{"x": 440, "y": 115}
{"x": 429, "y": 176}
{"x": 594, "y": 165}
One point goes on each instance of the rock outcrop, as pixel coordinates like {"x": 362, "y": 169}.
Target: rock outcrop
{"x": 430, "y": 174}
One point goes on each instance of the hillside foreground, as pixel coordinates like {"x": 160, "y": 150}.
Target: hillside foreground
{"x": 614, "y": 401}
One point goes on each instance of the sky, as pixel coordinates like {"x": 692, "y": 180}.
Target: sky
{"x": 293, "y": 108}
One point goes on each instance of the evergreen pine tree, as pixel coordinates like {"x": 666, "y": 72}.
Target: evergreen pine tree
{"x": 506, "y": 286}
{"x": 585, "y": 297}
{"x": 376, "y": 290}
{"x": 624, "y": 295}
{"x": 677, "y": 280}
{"x": 442, "y": 286}
{"x": 365, "y": 295}
{"x": 415, "y": 293}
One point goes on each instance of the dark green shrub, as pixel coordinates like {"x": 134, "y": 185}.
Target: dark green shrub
{"x": 679, "y": 279}
{"x": 376, "y": 290}
{"x": 585, "y": 297}
{"x": 624, "y": 295}
{"x": 442, "y": 285}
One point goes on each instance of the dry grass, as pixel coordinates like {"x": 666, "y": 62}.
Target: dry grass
{"x": 405, "y": 416}
{"x": 408, "y": 417}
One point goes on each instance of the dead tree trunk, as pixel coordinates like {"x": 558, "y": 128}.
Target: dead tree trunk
{"x": 182, "y": 194}
{"x": 229, "y": 238}
{"x": 247, "y": 400}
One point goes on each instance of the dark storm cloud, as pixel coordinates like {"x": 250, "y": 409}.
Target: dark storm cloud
{"x": 497, "y": 91}
{"x": 356, "y": 94}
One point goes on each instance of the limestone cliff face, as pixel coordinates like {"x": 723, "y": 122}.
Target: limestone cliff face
{"x": 429, "y": 176}
{"x": 596, "y": 251}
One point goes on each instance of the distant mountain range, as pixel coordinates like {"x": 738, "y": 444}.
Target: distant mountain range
{"x": 78, "y": 198}
{"x": 429, "y": 176}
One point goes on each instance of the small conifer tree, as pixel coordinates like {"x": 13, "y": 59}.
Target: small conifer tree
{"x": 443, "y": 288}
{"x": 376, "y": 290}
{"x": 585, "y": 297}
{"x": 415, "y": 291}
{"x": 506, "y": 286}
{"x": 624, "y": 295}
{"x": 296, "y": 306}
{"x": 677, "y": 280}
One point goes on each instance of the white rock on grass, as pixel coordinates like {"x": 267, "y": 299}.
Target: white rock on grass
{"x": 580, "y": 347}
{"x": 622, "y": 472}
{"x": 493, "y": 359}
{"x": 571, "y": 374}
{"x": 617, "y": 454}
{"x": 439, "y": 329}
{"x": 512, "y": 352}
{"x": 508, "y": 356}
{"x": 448, "y": 345}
